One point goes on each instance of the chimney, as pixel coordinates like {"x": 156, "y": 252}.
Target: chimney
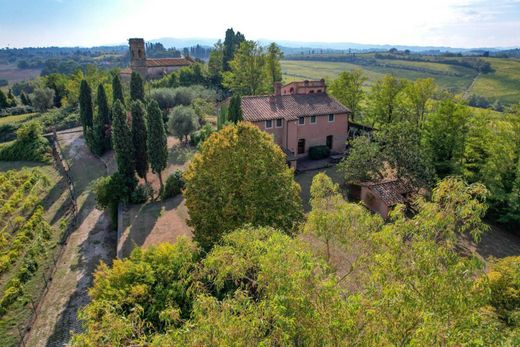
{"x": 277, "y": 88}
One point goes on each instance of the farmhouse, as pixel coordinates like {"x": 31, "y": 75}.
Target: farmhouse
{"x": 299, "y": 115}
{"x": 151, "y": 68}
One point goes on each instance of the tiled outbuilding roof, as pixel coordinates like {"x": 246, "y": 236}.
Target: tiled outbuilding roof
{"x": 391, "y": 192}
{"x": 289, "y": 107}
{"x": 163, "y": 62}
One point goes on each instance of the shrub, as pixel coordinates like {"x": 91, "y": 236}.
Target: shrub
{"x": 141, "y": 194}
{"x": 110, "y": 191}
{"x": 182, "y": 122}
{"x": 319, "y": 152}
{"x": 173, "y": 186}
{"x": 198, "y": 137}
{"x": 29, "y": 145}
{"x": 42, "y": 99}
{"x": 16, "y": 110}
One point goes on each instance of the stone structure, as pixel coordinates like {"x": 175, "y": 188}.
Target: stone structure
{"x": 151, "y": 68}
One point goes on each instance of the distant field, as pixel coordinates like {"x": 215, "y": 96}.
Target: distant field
{"x": 502, "y": 84}
{"x": 12, "y": 74}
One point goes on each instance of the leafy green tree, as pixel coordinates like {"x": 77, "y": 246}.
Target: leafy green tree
{"x": 504, "y": 280}
{"x": 417, "y": 95}
{"x": 156, "y": 140}
{"x": 383, "y": 100}
{"x": 235, "y": 109}
{"x": 364, "y": 161}
{"x": 247, "y": 71}
{"x": 272, "y": 62}
{"x": 23, "y": 98}
{"x": 139, "y": 138}
{"x": 136, "y": 87}
{"x": 123, "y": 146}
{"x": 42, "y": 100}
{"x": 182, "y": 121}
{"x": 86, "y": 113}
{"x": 444, "y": 136}
{"x": 348, "y": 89}
{"x": 57, "y": 82}
{"x": 238, "y": 171}
{"x": 117, "y": 90}
{"x": 110, "y": 191}
{"x": 216, "y": 64}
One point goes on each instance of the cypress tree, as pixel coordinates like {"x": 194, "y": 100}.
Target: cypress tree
{"x": 139, "y": 138}
{"x": 136, "y": 87}
{"x": 25, "y": 99}
{"x": 235, "y": 109}
{"x": 123, "y": 146}
{"x": 97, "y": 137}
{"x": 85, "y": 106}
{"x": 117, "y": 90}
{"x": 11, "y": 98}
{"x": 102, "y": 104}
{"x": 156, "y": 140}
{"x": 3, "y": 100}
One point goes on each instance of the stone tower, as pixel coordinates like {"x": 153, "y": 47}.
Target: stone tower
{"x": 138, "y": 56}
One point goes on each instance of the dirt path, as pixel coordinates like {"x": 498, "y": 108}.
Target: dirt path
{"x": 92, "y": 241}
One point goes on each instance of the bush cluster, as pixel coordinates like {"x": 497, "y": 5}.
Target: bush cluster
{"x": 319, "y": 152}
{"x": 173, "y": 186}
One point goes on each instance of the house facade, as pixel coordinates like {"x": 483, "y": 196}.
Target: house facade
{"x": 304, "y": 117}
{"x": 151, "y": 68}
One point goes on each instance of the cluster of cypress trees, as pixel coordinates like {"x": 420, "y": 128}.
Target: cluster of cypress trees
{"x": 139, "y": 142}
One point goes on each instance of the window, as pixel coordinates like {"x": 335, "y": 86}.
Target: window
{"x": 331, "y": 118}
{"x": 301, "y": 146}
{"x": 312, "y": 91}
{"x": 319, "y": 91}
{"x": 268, "y": 124}
{"x": 313, "y": 119}
{"x": 301, "y": 120}
{"x": 279, "y": 123}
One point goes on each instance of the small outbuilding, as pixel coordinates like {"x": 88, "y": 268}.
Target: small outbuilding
{"x": 380, "y": 197}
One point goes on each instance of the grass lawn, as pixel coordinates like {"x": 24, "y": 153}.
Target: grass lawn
{"x": 503, "y": 83}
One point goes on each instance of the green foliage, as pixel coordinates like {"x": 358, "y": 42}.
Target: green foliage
{"x": 139, "y": 138}
{"x": 29, "y": 145}
{"x": 42, "y": 99}
{"x": 237, "y": 173}
{"x": 141, "y": 194}
{"x": 168, "y": 98}
{"x": 416, "y": 96}
{"x": 199, "y": 136}
{"x": 383, "y": 100}
{"x": 319, "y": 152}
{"x": 444, "y": 136}
{"x": 117, "y": 90}
{"x": 363, "y": 162}
{"x": 247, "y": 74}
{"x": 97, "y": 137}
{"x": 102, "y": 105}
{"x": 174, "y": 185}
{"x": 3, "y": 100}
{"x": 156, "y": 140}
{"x": 348, "y": 89}
{"x": 274, "y": 70}
{"x": 235, "y": 109}
{"x": 504, "y": 281}
{"x": 232, "y": 42}
{"x": 182, "y": 121}
{"x": 136, "y": 87}
{"x": 110, "y": 191}
{"x": 123, "y": 145}
{"x": 216, "y": 64}
{"x": 85, "y": 105}
{"x": 24, "y": 99}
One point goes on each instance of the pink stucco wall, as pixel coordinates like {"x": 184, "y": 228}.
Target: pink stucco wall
{"x": 314, "y": 134}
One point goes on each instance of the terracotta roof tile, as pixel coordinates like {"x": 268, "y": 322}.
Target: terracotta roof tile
{"x": 391, "y": 192}
{"x": 168, "y": 62}
{"x": 289, "y": 107}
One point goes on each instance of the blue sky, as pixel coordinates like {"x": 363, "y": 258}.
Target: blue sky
{"x": 456, "y": 23}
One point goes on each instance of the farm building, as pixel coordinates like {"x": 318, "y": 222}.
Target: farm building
{"x": 299, "y": 115}
{"x": 380, "y": 197}
{"x": 151, "y": 68}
